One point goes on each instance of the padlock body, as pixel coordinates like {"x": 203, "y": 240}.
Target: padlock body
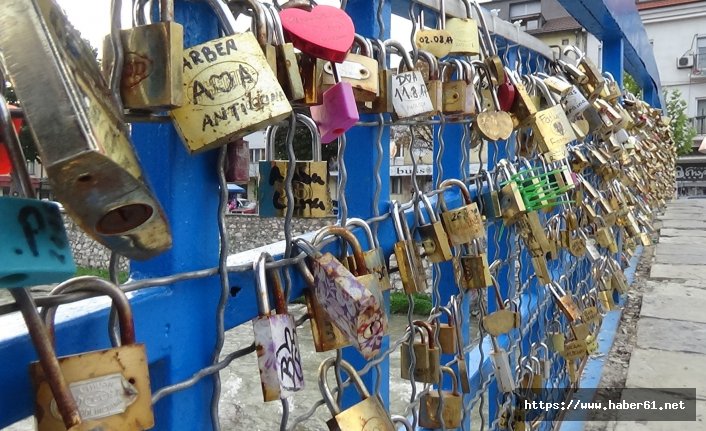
{"x": 474, "y": 271}
{"x": 435, "y": 242}
{"x": 35, "y": 247}
{"x": 231, "y": 91}
{"x": 337, "y": 113}
{"x": 325, "y": 334}
{"x": 410, "y": 266}
{"x": 278, "y": 356}
{"x": 451, "y": 414}
{"x": 367, "y": 415}
{"x": 552, "y": 131}
{"x": 111, "y": 386}
{"x": 288, "y": 72}
{"x": 501, "y": 322}
{"x": 425, "y": 371}
{"x": 360, "y": 71}
{"x": 410, "y": 97}
{"x": 312, "y": 198}
{"x": 349, "y": 305}
{"x": 465, "y": 36}
{"x": 152, "y": 66}
{"x": 463, "y": 224}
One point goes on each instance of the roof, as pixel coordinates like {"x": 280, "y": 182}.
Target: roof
{"x": 557, "y": 24}
{"x": 654, "y": 4}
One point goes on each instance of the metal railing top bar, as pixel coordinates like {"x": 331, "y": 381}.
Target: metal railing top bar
{"x": 496, "y": 26}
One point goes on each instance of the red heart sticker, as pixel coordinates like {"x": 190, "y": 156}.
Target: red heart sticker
{"x": 326, "y": 32}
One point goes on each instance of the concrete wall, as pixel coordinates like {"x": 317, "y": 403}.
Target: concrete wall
{"x": 245, "y": 232}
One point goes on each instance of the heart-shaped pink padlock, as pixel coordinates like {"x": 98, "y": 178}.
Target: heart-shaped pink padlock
{"x": 337, "y": 113}
{"x": 326, "y": 32}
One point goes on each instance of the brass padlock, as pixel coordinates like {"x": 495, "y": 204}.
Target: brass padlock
{"x": 458, "y": 94}
{"x": 564, "y": 301}
{"x": 287, "y": 65}
{"x": 231, "y": 90}
{"x": 120, "y": 374}
{"x": 368, "y": 414}
{"x": 86, "y": 152}
{"x": 493, "y": 123}
{"x": 383, "y": 101}
{"x": 359, "y": 70}
{"x": 490, "y": 201}
{"x": 409, "y": 94}
{"x": 551, "y": 128}
{"x": 555, "y": 336}
{"x": 464, "y": 32}
{"x": 409, "y": 261}
{"x": 311, "y": 71}
{"x": 502, "y": 320}
{"x": 447, "y": 331}
{"x": 151, "y": 77}
{"x": 463, "y": 224}
{"x": 452, "y": 412}
{"x": 511, "y": 203}
{"x": 433, "y": 81}
{"x": 471, "y": 267}
{"x": 374, "y": 258}
{"x": 426, "y": 354}
{"x": 433, "y": 236}
{"x": 312, "y": 197}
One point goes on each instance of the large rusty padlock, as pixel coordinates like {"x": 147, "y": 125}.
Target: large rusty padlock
{"x": 112, "y": 385}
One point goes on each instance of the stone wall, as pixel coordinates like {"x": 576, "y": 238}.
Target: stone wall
{"x": 245, "y": 232}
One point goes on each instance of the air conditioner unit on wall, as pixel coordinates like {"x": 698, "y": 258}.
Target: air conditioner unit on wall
{"x": 685, "y": 62}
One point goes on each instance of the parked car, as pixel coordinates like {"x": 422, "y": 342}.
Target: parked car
{"x": 244, "y": 206}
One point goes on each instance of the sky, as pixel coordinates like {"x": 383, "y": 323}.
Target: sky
{"x": 94, "y": 21}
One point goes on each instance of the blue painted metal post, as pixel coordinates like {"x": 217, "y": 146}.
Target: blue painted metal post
{"x": 360, "y": 158}
{"x": 178, "y": 178}
{"x": 614, "y": 58}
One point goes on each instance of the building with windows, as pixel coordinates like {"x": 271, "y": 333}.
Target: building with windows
{"x": 677, "y": 32}
{"x": 548, "y": 21}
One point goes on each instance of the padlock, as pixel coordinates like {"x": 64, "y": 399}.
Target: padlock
{"x": 591, "y": 344}
{"x": 409, "y": 261}
{"x": 120, "y": 374}
{"x": 151, "y": 77}
{"x": 594, "y": 79}
{"x": 503, "y": 372}
{"x": 555, "y": 336}
{"x": 523, "y": 107}
{"x": 434, "y": 238}
{"x": 434, "y": 85}
{"x": 368, "y": 414}
{"x": 351, "y": 307}
{"x": 464, "y": 32}
{"x": 231, "y": 90}
{"x": 337, "y": 112}
{"x": 359, "y": 70}
{"x": 383, "y": 102}
{"x": 564, "y": 301}
{"x": 397, "y": 419}
{"x": 430, "y": 403}
{"x": 276, "y": 342}
{"x": 409, "y": 94}
{"x": 427, "y": 355}
{"x": 458, "y": 94}
{"x": 489, "y": 52}
{"x": 551, "y": 128}
{"x": 324, "y": 32}
{"x": 311, "y": 70}
{"x": 447, "y": 331}
{"x": 438, "y": 41}
{"x": 287, "y": 66}
{"x": 489, "y": 198}
{"x": 502, "y": 320}
{"x": 471, "y": 267}
{"x": 605, "y": 237}
{"x": 263, "y": 27}
{"x": 463, "y": 224}
{"x": 512, "y": 205}
{"x": 312, "y": 197}
{"x": 460, "y": 354}
{"x": 374, "y": 258}
{"x": 492, "y": 124}
{"x": 325, "y": 334}
{"x": 87, "y": 154}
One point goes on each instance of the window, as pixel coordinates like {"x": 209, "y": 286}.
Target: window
{"x": 521, "y": 10}
{"x": 565, "y": 41}
{"x": 257, "y": 154}
{"x": 701, "y": 53}
{"x": 396, "y": 185}
{"x": 700, "y": 119}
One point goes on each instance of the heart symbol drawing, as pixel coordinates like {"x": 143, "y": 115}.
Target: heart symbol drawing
{"x": 326, "y": 32}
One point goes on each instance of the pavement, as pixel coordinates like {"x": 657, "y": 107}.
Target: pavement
{"x": 670, "y": 351}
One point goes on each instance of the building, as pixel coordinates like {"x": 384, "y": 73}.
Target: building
{"x": 548, "y": 21}
{"x": 677, "y": 32}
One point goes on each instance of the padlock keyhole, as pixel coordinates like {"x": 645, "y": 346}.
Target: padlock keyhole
{"x": 124, "y": 218}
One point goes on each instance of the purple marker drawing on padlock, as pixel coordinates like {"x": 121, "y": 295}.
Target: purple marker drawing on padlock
{"x": 338, "y": 112}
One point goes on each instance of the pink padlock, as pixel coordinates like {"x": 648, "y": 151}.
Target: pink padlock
{"x": 338, "y": 112}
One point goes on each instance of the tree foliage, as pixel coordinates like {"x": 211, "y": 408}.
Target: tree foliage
{"x": 683, "y": 132}
{"x": 631, "y": 85}
{"x": 302, "y": 145}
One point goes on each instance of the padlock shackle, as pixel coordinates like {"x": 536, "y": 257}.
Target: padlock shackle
{"x": 479, "y": 65}
{"x": 499, "y": 301}
{"x": 486, "y": 41}
{"x": 397, "y": 419}
{"x": 574, "y": 50}
{"x": 257, "y": 14}
{"x": 359, "y": 222}
{"x": 166, "y": 10}
{"x": 105, "y": 287}
{"x": 263, "y": 280}
{"x": 380, "y": 53}
{"x": 224, "y": 15}
{"x": 364, "y": 45}
{"x": 141, "y": 12}
{"x": 431, "y": 339}
{"x": 341, "y": 232}
{"x": 430, "y": 210}
{"x": 271, "y": 133}
{"x": 353, "y": 375}
{"x": 544, "y": 90}
{"x": 395, "y": 47}
{"x": 400, "y": 221}
{"x": 454, "y": 381}
{"x": 434, "y": 73}
{"x": 454, "y": 182}
{"x": 275, "y": 24}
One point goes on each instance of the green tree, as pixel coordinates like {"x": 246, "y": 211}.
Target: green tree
{"x": 683, "y": 132}
{"x": 302, "y": 145}
{"x": 631, "y": 85}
